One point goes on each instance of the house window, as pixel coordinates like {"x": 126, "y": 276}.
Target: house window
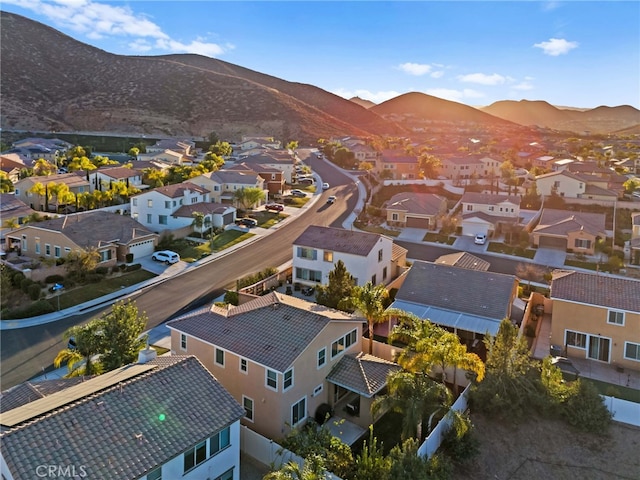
{"x": 469, "y": 208}
{"x": 580, "y": 243}
{"x": 150, "y": 203}
{"x": 380, "y": 255}
{"x": 632, "y": 351}
{"x": 322, "y": 357}
{"x": 350, "y": 338}
{"x": 47, "y": 249}
{"x": 195, "y": 456}
{"x": 155, "y": 474}
{"x": 183, "y": 341}
{"x": 373, "y": 279}
{"x": 167, "y": 204}
{"x": 247, "y": 403}
{"x": 134, "y": 202}
{"x": 219, "y": 357}
{"x": 228, "y": 475}
{"x": 298, "y": 411}
{"x": 24, "y": 243}
{"x": 616, "y": 317}
{"x": 194, "y": 200}
{"x": 37, "y": 246}
{"x": 575, "y": 339}
{"x": 244, "y": 367}
{"x": 149, "y": 219}
{"x": 491, "y": 208}
{"x": 327, "y": 256}
{"x": 162, "y": 219}
{"x": 67, "y": 250}
{"x": 556, "y": 184}
{"x": 599, "y": 348}
{"x": 384, "y": 273}
{"x": 308, "y": 253}
{"x": 105, "y": 255}
{"x": 272, "y": 379}
{"x": 306, "y": 274}
{"x": 219, "y": 441}
{"x": 337, "y": 347}
{"x": 287, "y": 382}
{"x": 56, "y": 251}
{"x": 394, "y": 217}
{"x": 318, "y": 389}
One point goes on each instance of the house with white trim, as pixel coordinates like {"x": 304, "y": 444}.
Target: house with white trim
{"x": 486, "y": 213}
{"x": 223, "y": 184}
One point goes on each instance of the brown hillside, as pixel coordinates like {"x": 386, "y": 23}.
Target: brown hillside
{"x": 429, "y": 108}
{"x": 542, "y": 114}
{"x": 81, "y": 88}
{"x": 362, "y": 102}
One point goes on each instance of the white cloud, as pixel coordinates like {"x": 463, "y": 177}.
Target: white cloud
{"x": 375, "y": 97}
{"x": 454, "y": 95}
{"x": 483, "y": 79}
{"x": 417, "y": 69}
{"x": 549, "y": 6}
{"x": 526, "y": 85}
{"x": 556, "y": 46}
{"x": 437, "y": 74}
{"x": 99, "y": 20}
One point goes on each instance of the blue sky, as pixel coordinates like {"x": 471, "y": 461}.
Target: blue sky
{"x": 579, "y": 54}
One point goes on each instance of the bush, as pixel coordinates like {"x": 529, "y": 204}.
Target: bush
{"x": 460, "y": 442}
{"x": 34, "y": 291}
{"x": 231, "y": 297}
{"x": 93, "y": 278}
{"x": 41, "y": 307}
{"x": 68, "y": 283}
{"x": 586, "y": 410}
{"x": 25, "y": 284}
{"x": 60, "y": 261}
{"x": 129, "y": 257}
{"x": 102, "y": 270}
{"x": 16, "y": 279}
{"x": 54, "y": 279}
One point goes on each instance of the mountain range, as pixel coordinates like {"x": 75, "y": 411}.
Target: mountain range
{"x": 50, "y": 81}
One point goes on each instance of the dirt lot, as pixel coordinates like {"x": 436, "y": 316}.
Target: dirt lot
{"x": 546, "y": 449}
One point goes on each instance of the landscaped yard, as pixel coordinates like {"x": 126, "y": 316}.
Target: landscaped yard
{"x": 438, "y": 238}
{"x": 376, "y": 229}
{"x": 498, "y": 247}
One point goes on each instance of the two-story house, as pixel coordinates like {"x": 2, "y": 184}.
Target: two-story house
{"x": 463, "y": 168}
{"x": 415, "y": 210}
{"x": 366, "y": 256}
{"x": 396, "y": 165}
{"x": 274, "y": 178}
{"x": 274, "y": 160}
{"x": 171, "y": 208}
{"x": 250, "y": 143}
{"x": 77, "y": 183}
{"x": 113, "y": 236}
{"x": 487, "y": 213}
{"x": 634, "y": 243}
{"x": 164, "y": 417}
{"x": 573, "y": 185}
{"x": 273, "y": 354}
{"x": 11, "y": 165}
{"x": 365, "y": 153}
{"x": 596, "y": 317}
{"x": 223, "y": 184}
{"x": 103, "y": 178}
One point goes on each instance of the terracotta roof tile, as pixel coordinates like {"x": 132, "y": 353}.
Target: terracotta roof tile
{"x": 596, "y": 289}
{"x": 338, "y": 240}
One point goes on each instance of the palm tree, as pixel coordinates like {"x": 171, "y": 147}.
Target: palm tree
{"x": 313, "y": 470}
{"x": 414, "y": 396}
{"x": 198, "y": 221}
{"x": 370, "y": 301}
{"x": 87, "y": 344}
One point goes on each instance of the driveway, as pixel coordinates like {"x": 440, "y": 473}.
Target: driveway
{"x": 412, "y": 234}
{"x": 550, "y": 257}
{"x": 466, "y": 243}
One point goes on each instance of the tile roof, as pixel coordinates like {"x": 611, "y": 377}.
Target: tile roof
{"x": 362, "y": 373}
{"x": 115, "y": 431}
{"x": 202, "y": 207}
{"x": 596, "y": 190}
{"x": 463, "y": 160}
{"x": 489, "y": 198}
{"x": 95, "y": 228}
{"x": 119, "y": 172}
{"x": 562, "y": 222}
{"x": 492, "y": 219}
{"x": 272, "y": 330}
{"x": 29, "y": 391}
{"x": 12, "y": 207}
{"x": 416, "y": 203}
{"x": 397, "y": 251}
{"x": 485, "y": 294}
{"x": 596, "y": 289}
{"x": 72, "y": 180}
{"x": 338, "y": 240}
{"x": 463, "y": 260}
{"x": 179, "y": 189}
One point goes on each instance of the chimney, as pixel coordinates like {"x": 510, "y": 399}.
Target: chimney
{"x": 147, "y": 354}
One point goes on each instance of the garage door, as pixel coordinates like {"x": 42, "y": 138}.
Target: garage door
{"x": 414, "y": 222}
{"x": 472, "y": 229}
{"x": 141, "y": 249}
{"x": 553, "y": 242}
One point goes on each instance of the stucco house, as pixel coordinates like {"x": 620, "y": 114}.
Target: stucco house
{"x": 568, "y": 230}
{"x": 274, "y": 160}
{"x": 396, "y": 165}
{"x": 112, "y": 235}
{"x": 487, "y": 213}
{"x": 470, "y": 302}
{"x": 596, "y": 317}
{"x": 274, "y": 178}
{"x": 275, "y": 355}
{"x": 462, "y": 167}
{"x": 415, "y": 210}
{"x": 165, "y": 417}
{"x": 250, "y": 143}
{"x": 223, "y": 184}
{"x": 77, "y": 183}
{"x": 171, "y": 208}
{"x": 574, "y": 185}
{"x": 11, "y": 165}
{"x": 102, "y": 178}
{"x": 366, "y": 256}
{"x": 634, "y": 243}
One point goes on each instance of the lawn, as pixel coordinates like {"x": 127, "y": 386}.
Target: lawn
{"x": 611, "y": 390}
{"x": 509, "y": 250}
{"x": 84, "y": 293}
{"x": 387, "y": 430}
{"x": 438, "y": 238}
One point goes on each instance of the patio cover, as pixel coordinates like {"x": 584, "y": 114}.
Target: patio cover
{"x": 448, "y": 318}
{"x": 362, "y": 373}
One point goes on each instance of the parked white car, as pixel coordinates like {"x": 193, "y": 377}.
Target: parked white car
{"x": 166, "y": 256}
{"x": 480, "y": 239}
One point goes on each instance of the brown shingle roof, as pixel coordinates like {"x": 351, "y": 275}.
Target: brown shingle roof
{"x": 362, "y": 373}
{"x": 116, "y": 432}
{"x": 562, "y": 222}
{"x": 595, "y": 289}
{"x": 489, "y": 198}
{"x": 119, "y": 172}
{"x": 272, "y": 330}
{"x": 338, "y": 240}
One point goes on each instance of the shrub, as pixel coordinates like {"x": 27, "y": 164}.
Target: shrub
{"x": 25, "y": 284}
{"x": 60, "y": 261}
{"x": 231, "y": 297}
{"x": 54, "y": 279}
{"x": 93, "y": 278}
{"x": 460, "y": 442}
{"x": 16, "y": 279}
{"x": 586, "y": 410}
{"x": 41, "y": 307}
{"x": 129, "y": 257}
{"x": 34, "y": 291}
{"x": 102, "y": 270}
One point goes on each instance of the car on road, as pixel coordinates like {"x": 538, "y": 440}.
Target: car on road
{"x": 297, "y": 193}
{"x": 166, "y": 256}
{"x": 480, "y": 239}
{"x": 248, "y": 222}
{"x": 276, "y": 207}
{"x": 325, "y": 186}
{"x": 332, "y": 199}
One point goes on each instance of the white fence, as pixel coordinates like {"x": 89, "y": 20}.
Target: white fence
{"x": 623, "y": 411}
{"x": 433, "y": 441}
{"x": 269, "y": 452}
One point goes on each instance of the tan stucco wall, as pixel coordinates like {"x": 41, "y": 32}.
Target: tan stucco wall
{"x": 593, "y": 320}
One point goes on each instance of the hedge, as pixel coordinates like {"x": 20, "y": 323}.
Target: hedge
{"x": 41, "y": 307}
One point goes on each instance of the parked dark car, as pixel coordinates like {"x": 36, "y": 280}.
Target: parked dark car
{"x": 308, "y": 291}
{"x": 276, "y": 207}
{"x": 248, "y": 222}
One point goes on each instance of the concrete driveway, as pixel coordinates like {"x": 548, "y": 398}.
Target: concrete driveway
{"x": 550, "y": 257}
{"x": 466, "y": 244}
{"x": 412, "y": 234}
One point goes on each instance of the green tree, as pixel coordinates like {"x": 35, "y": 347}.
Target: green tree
{"x": 43, "y": 168}
{"x": 81, "y": 359}
{"x": 43, "y": 192}
{"x": 221, "y": 149}
{"x": 429, "y": 164}
{"x": 371, "y": 463}
{"x": 121, "y": 331}
{"x": 292, "y": 145}
{"x": 248, "y": 197}
{"x": 406, "y": 464}
{"x": 371, "y": 302}
{"x": 313, "y": 469}
{"x": 201, "y": 222}
{"x": 154, "y": 177}
{"x": 134, "y": 152}
{"x": 6, "y": 185}
{"x": 339, "y": 287}
{"x": 80, "y": 262}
